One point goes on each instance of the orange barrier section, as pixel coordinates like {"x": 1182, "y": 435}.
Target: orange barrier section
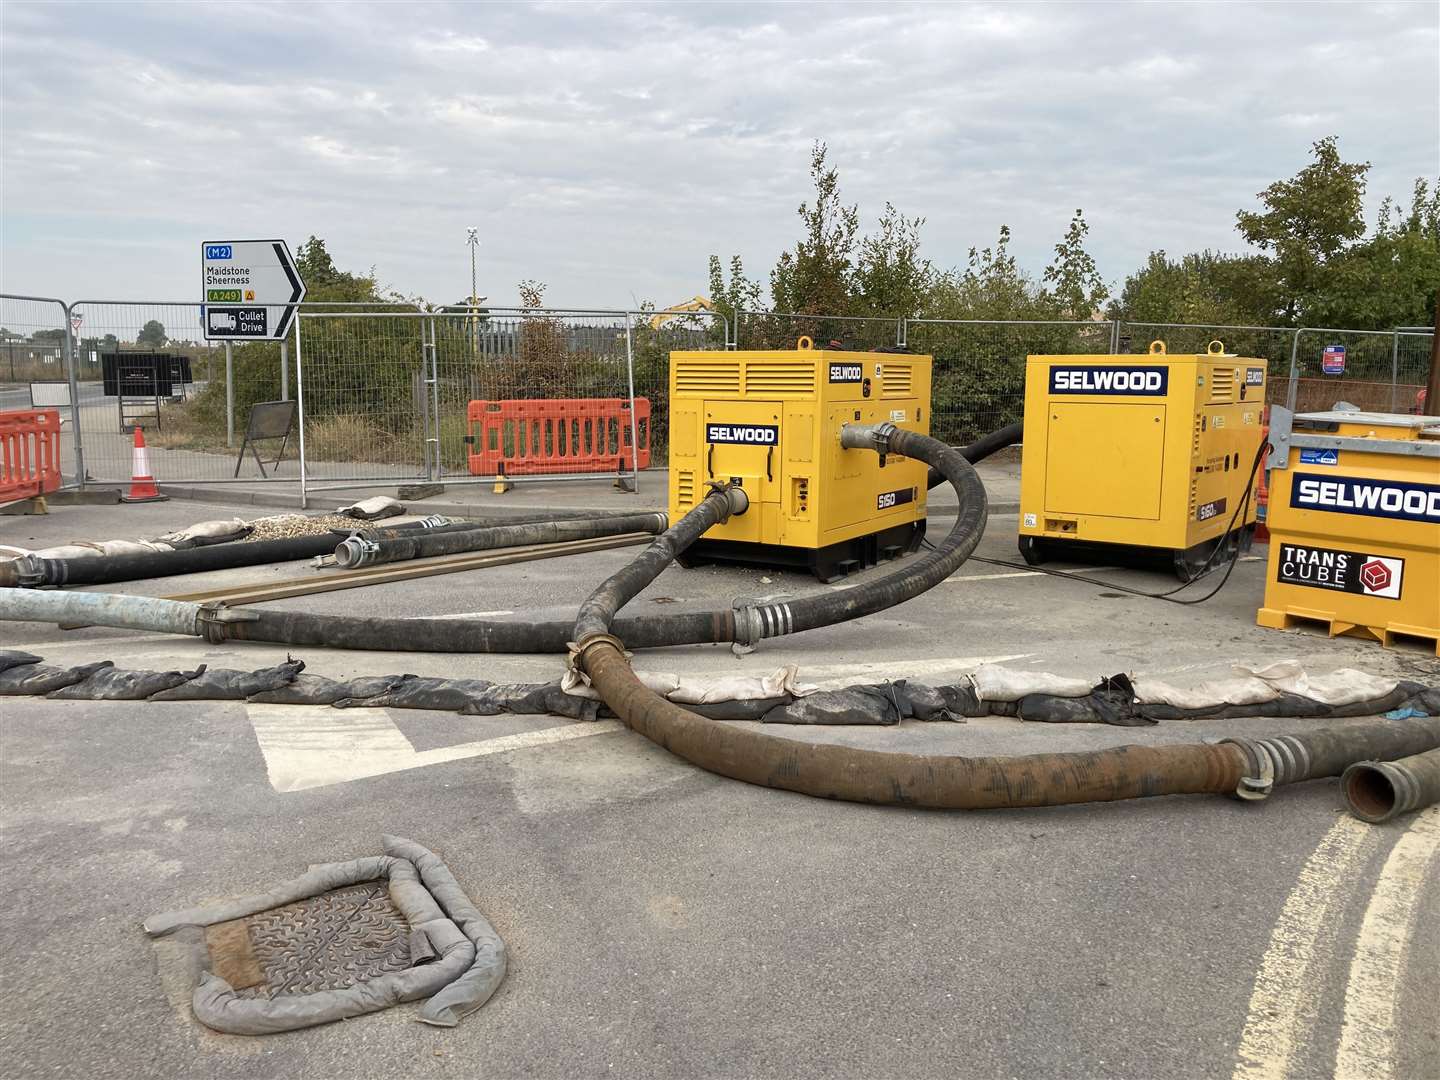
{"x": 29, "y": 453}
{"x": 1262, "y": 484}
{"x": 557, "y": 435}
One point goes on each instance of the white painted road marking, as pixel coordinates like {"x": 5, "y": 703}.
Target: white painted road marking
{"x": 993, "y": 577}
{"x": 1377, "y": 972}
{"x": 1284, "y": 1002}
{"x": 308, "y": 746}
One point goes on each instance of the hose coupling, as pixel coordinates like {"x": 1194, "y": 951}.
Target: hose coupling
{"x": 29, "y": 571}
{"x": 868, "y": 437}
{"x": 356, "y": 550}
{"x": 1282, "y": 759}
{"x": 736, "y": 501}
{"x": 749, "y": 631}
{"x": 213, "y": 619}
{"x": 579, "y": 650}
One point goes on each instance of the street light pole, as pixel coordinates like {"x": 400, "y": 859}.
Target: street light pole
{"x": 473, "y": 239}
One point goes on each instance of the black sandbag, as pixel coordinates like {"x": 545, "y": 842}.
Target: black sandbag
{"x": 227, "y": 684}
{"x": 749, "y": 709}
{"x": 32, "y": 680}
{"x": 112, "y": 684}
{"x": 1426, "y": 700}
{"x": 532, "y": 699}
{"x": 878, "y": 706}
{"x": 10, "y": 658}
{"x": 318, "y": 690}
{"x": 415, "y": 692}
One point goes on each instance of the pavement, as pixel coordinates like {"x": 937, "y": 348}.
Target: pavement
{"x": 666, "y": 922}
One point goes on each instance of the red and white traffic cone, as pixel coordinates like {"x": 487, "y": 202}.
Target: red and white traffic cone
{"x": 142, "y": 484}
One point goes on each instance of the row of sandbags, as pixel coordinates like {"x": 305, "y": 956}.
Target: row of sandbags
{"x": 201, "y": 534}
{"x": 778, "y": 698}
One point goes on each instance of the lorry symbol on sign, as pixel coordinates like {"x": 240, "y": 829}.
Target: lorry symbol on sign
{"x": 222, "y": 320}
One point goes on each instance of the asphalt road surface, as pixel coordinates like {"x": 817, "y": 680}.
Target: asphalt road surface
{"x": 663, "y": 921}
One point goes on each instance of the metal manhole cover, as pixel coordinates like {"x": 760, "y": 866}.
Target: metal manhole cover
{"x": 328, "y": 942}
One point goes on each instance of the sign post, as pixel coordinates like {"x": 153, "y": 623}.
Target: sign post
{"x": 251, "y": 289}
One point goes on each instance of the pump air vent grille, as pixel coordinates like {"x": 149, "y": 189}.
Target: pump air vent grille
{"x": 779, "y": 377}
{"x": 898, "y": 379}
{"x": 707, "y": 377}
{"x": 1222, "y": 385}
{"x": 685, "y": 488}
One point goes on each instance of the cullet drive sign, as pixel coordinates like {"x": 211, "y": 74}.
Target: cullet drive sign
{"x": 250, "y": 287}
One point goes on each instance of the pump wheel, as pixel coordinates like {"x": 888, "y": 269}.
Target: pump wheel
{"x": 1032, "y": 550}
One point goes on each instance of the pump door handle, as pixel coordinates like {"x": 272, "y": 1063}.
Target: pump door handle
{"x": 769, "y": 453}
{"x": 710, "y": 462}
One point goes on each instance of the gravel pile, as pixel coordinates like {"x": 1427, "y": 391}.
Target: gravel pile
{"x": 288, "y": 526}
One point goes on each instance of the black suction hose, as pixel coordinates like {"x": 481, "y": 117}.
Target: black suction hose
{"x": 367, "y": 549}
{"x": 745, "y": 624}
{"x": 982, "y": 448}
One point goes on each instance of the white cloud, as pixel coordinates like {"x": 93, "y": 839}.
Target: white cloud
{"x": 608, "y": 149}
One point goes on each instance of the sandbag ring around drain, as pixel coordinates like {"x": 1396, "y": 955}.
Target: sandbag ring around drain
{"x": 455, "y": 957}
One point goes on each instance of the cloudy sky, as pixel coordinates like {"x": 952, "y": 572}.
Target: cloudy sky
{"x": 608, "y": 149}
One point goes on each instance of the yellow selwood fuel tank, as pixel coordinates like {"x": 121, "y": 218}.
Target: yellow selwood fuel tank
{"x": 771, "y": 422}
{"x": 1151, "y": 451}
{"x": 1355, "y": 524}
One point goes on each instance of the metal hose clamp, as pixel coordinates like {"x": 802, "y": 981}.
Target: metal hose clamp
{"x": 1259, "y": 779}
{"x": 577, "y": 650}
{"x": 214, "y": 617}
{"x": 749, "y": 630}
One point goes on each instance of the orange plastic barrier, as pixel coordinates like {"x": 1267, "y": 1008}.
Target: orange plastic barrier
{"x": 556, "y": 435}
{"x": 29, "y": 453}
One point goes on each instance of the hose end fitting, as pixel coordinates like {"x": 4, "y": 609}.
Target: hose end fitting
{"x": 213, "y": 620}
{"x": 579, "y": 650}
{"x": 356, "y": 551}
{"x": 28, "y": 572}
{"x": 1377, "y": 791}
{"x": 736, "y": 501}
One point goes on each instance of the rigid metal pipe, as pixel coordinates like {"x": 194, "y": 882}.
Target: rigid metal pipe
{"x": 1377, "y": 791}
{"x": 369, "y": 549}
{"x": 101, "y": 609}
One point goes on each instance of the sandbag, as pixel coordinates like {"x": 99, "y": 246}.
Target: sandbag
{"x": 744, "y": 709}
{"x": 381, "y": 506}
{"x": 879, "y": 706}
{"x": 318, "y": 690}
{"x": 32, "y": 680}
{"x": 10, "y": 658}
{"x": 204, "y": 533}
{"x": 110, "y": 683}
{"x": 227, "y": 684}
{"x": 995, "y": 683}
{"x": 415, "y": 692}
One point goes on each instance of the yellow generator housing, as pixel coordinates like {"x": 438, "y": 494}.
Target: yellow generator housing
{"x": 771, "y": 422}
{"x": 1149, "y": 454}
{"x": 1355, "y": 524}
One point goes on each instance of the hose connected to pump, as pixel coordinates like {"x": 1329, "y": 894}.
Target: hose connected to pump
{"x": 1244, "y": 767}
{"x": 366, "y": 548}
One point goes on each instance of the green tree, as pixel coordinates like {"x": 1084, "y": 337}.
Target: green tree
{"x": 1307, "y": 221}
{"x": 152, "y": 334}
{"x": 890, "y": 277}
{"x": 815, "y": 278}
{"x": 325, "y": 281}
{"x": 1203, "y": 287}
{"x": 1072, "y": 281}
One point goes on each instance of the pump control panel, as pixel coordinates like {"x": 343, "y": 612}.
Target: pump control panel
{"x": 770, "y": 421}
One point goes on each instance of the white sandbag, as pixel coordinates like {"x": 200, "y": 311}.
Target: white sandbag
{"x": 1344, "y": 686}
{"x": 217, "y": 531}
{"x": 381, "y": 506}
{"x": 703, "y": 690}
{"x": 577, "y": 684}
{"x": 132, "y": 547}
{"x": 995, "y": 683}
{"x": 1207, "y": 695}
{"x": 8, "y": 553}
{"x": 77, "y": 550}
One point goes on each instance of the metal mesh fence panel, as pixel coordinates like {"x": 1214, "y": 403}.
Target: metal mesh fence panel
{"x": 528, "y": 355}
{"x": 1268, "y": 343}
{"x": 182, "y": 412}
{"x": 978, "y": 382}
{"x": 363, "y": 384}
{"x": 1383, "y": 370}
{"x": 35, "y": 364}
{"x": 779, "y": 330}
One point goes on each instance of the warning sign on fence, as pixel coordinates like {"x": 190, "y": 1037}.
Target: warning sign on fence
{"x": 1333, "y": 360}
